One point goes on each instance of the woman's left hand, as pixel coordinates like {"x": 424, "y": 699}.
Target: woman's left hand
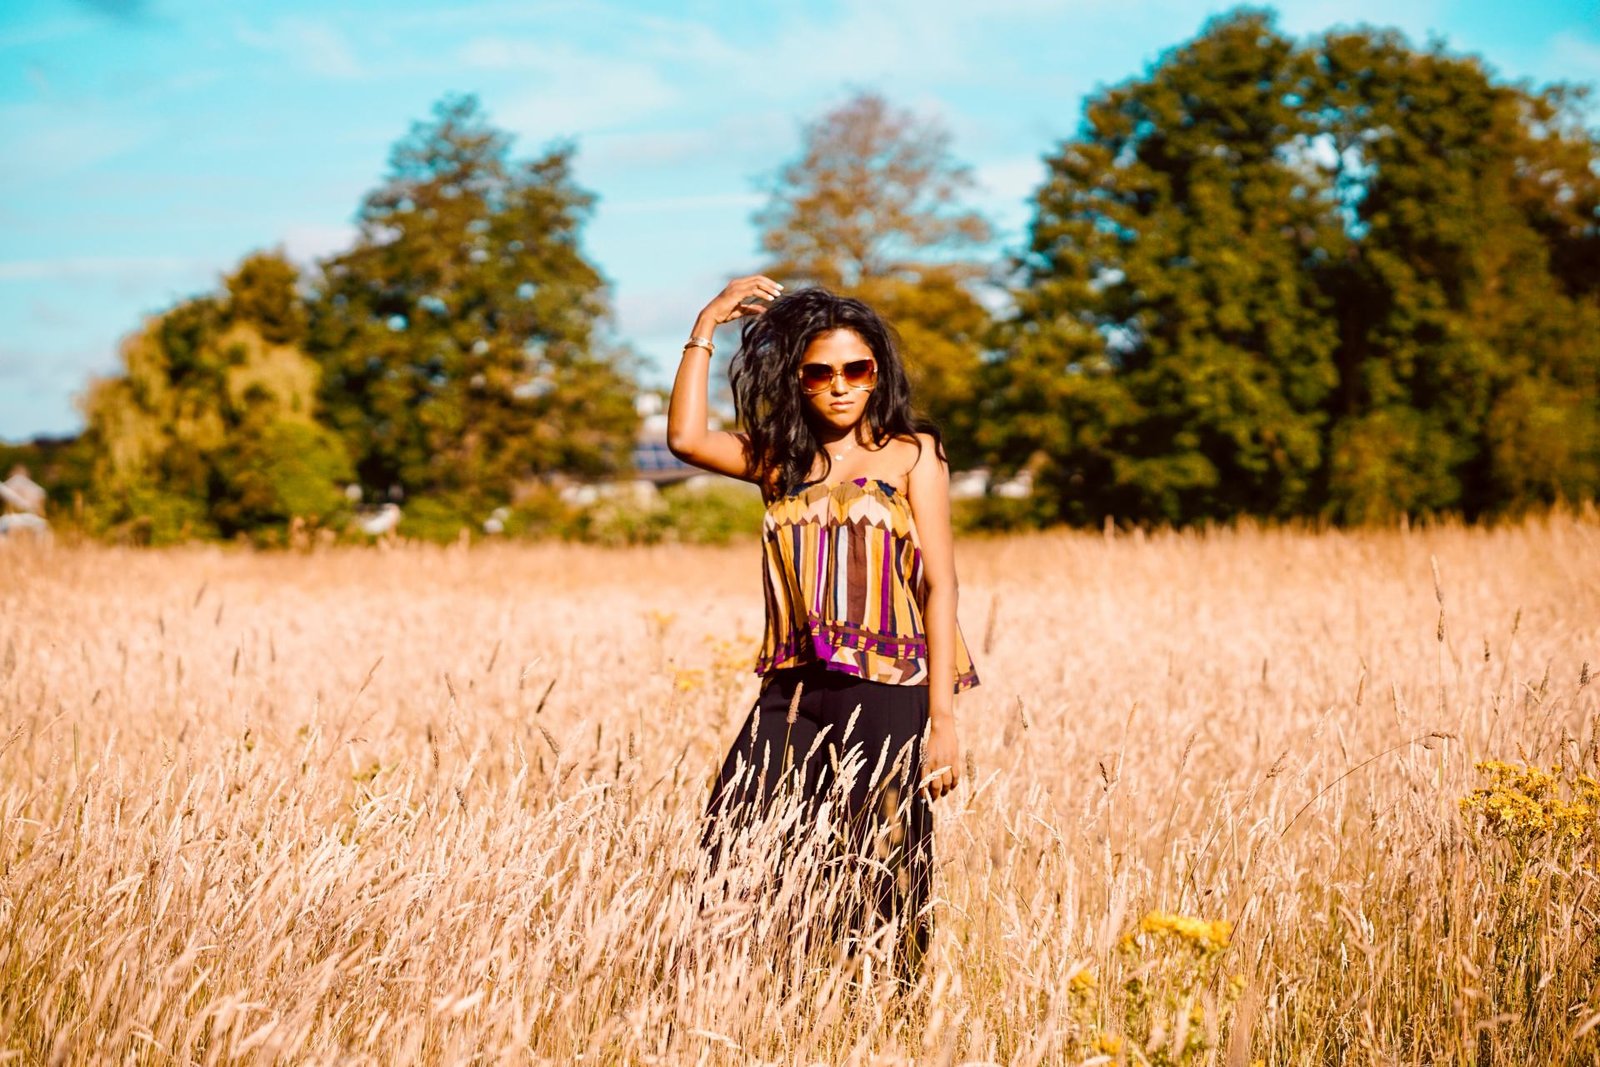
{"x": 941, "y": 757}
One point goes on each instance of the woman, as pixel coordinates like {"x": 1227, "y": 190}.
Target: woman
{"x": 862, "y": 653}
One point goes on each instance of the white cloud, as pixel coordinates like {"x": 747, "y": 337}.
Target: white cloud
{"x": 74, "y": 268}
{"x": 1574, "y": 54}
{"x": 499, "y": 53}
{"x": 307, "y": 242}
{"x": 1013, "y": 179}
{"x": 43, "y": 142}
{"x": 1414, "y": 18}
{"x": 652, "y": 149}
{"x": 1005, "y": 191}
{"x": 52, "y": 315}
{"x": 655, "y": 318}
{"x": 310, "y": 44}
{"x": 38, "y": 388}
{"x": 666, "y": 308}
{"x": 734, "y": 139}
{"x": 572, "y": 91}
{"x": 697, "y": 202}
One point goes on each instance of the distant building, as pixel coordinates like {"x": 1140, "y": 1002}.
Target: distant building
{"x": 21, "y": 493}
{"x": 1018, "y": 487}
{"x": 22, "y": 502}
{"x": 970, "y": 484}
{"x": 653, "y": 461}
{"x": 979, "y": 482}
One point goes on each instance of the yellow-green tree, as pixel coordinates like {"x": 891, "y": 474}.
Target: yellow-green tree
{"x": 212, "y": 426}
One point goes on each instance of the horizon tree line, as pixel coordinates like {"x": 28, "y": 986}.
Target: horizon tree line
{"x": 1340, "y": 277}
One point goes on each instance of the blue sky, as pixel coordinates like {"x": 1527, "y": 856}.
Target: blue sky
{"x": 149, "y": 144}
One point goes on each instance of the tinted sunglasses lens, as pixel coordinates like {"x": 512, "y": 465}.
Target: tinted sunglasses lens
{"x": 815, "y": 377}
{"x": 857, "y": 374}
{"x": 860, "y": 373}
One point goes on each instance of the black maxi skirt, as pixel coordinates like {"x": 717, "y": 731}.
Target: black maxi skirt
{"x": 848, "y": 752}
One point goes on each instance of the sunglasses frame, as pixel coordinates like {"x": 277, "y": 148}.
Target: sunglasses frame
{"x": 839, "y": 372}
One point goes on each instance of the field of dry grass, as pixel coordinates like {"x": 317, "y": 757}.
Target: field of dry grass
{"x": 437, "y": 805}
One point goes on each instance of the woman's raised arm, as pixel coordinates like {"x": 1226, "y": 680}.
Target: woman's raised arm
{"x": 687, "y": 434}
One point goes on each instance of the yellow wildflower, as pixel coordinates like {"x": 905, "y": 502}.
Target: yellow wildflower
{"x": 1107, "y": 1044}
{"x": 1083, "y": 983}
{"x": 1206, "y": 936}
{"x": 733, "y": 655}
{"x": 1524, "y": 801}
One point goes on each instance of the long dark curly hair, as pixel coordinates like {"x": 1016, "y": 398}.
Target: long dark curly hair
{"x": 766, "y": 388}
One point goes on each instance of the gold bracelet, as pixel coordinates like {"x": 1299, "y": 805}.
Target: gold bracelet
{"x": 699, "y": 342}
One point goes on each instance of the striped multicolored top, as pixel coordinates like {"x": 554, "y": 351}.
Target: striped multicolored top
{"x": 844, "y": 585}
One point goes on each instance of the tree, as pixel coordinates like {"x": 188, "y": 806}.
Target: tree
{"x": 1468, "y": 298}
{"x": 1170, "y": 354}
{"x": 872, "y": 209}
{"x": 1338, "y": 278}
{"x": 457, "y": 336}
{"x": 212, "y": 426}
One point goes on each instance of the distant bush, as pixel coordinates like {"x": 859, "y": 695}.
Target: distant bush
{"x": 144, "y": 515}
{"x": 704, "y": 515}
{"x": 428, "y": 518}
{"x": 998, "y": 514}
{"x": 714, "y": 515}
{"x": 681, "y": 514}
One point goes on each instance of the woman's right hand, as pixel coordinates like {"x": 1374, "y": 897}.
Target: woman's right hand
{"x": 737, "y": 299}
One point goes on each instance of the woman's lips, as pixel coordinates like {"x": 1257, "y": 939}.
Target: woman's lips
{"x": 839, "y": 405}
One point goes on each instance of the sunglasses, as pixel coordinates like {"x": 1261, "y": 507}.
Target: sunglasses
{"x": 857, "y": 374}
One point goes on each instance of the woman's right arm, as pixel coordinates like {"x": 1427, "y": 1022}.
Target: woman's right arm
{"x": 687, "y": 434}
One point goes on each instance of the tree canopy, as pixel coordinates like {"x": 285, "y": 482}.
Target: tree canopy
{"x": 873, "y": 208}
{"x": 1338, "y": 277}
{"x": 1341, "y": 278}
{"x": 213, "y": 425}
{"x": 450, "y": 355}
{"x": 458, "y": 337}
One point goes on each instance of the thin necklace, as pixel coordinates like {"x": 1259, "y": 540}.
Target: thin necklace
{"x": 841, "y": 454}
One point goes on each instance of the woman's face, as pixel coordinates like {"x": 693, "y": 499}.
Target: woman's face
{"x": 842, "y": 354}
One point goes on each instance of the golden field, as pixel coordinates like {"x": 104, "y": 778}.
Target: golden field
{"x": 440, "y": 805}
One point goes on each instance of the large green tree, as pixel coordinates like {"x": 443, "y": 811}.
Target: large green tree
{"x": 460, "y": 335}
{"x": 1171, "y": 354}
{"x": 873, "y": 207}
{"x": 1339, "y": 277}
{"x": 1468, "y": 291}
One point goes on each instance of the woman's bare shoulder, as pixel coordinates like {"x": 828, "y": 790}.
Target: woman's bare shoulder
{"x": 923, "y": 447}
